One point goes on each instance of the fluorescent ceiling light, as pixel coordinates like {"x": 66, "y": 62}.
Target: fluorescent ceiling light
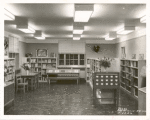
{"x": 143, "y": 19}
{"x": 40, "y": 38}
{"x": 111, "y": 36}
{"x": 38, "y": 35}
{"x": 8, "y": 15}
{"x": 22, "y": 25}
{"x": 76, "y": 38}
{"x": 83, "y": 13}
{"x": 107, "y": 38}
{"x": 126, "y": 30}
{"x": 78, "y": 30}
{"x": 27, "y": 29}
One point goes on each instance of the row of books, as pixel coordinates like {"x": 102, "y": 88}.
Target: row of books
{"x": 9, "y": 63}
{"x": 130, "y": 63}
{"x": 9, "y": 77}
{"x": 43, "y": 61}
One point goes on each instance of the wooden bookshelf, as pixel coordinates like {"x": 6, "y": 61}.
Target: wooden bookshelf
{"x": 92, "y": 65}
{"x": 9, "y": 80}
{"x": 41, "y": 64}
{"x": 130, "y": 76}
{"x": 9, "y": 70}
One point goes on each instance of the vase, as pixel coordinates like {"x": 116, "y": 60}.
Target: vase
{"x": 105, "y": 69}
{"x": 27, "y": 72}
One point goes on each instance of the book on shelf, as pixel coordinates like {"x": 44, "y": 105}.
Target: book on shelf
{"x": 44, "y": 60}
{"x": 53, "y": 61}
{"x": 135, "y": 64}
{"x": 36, "y": 65}
{"x": 44, "y": 66}
{"x": 88, "y": 61}
{"x": 49, "y": 60}
{"x": 49, "y": 66}
{"x": 43, "y": 72}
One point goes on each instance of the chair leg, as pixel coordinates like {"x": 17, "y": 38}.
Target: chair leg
{"x": 24, "y": 87}
{"x": 27, "y": 87}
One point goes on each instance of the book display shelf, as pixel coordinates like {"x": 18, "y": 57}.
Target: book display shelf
{"x": 9, "y": 80}
{"x": 41, "y": 64}
{"x": 93, "y": 65}
{"x": 9, "y": 70}
{"x": 130, "y": 77}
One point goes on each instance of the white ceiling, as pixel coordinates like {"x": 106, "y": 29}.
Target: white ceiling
{"x": 56, "y": 20}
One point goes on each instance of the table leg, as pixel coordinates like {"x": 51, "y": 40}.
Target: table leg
{"x": 77, "y": 81}
{"x": 49, "y": 81}
{"x": 32, "y": 83}
{"x": 37, "y": 80}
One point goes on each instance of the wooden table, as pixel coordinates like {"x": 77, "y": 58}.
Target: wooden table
{"x": 32, "y": 79}
{"x": 63, "y": 74}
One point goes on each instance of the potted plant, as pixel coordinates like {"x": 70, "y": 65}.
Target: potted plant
{"x": 105, "y": 63}
{"x": 27, "y": 67}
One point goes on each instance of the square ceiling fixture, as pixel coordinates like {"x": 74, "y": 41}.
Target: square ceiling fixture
{"x": 78, "y": 30}
{"x": 38, "y": 35}
{"x": 8, "y": 15}
{"x": 111, "y": 36}
{"x": 76, "y": 37}
{"x": 26, "y": 29}
{"x": 83, "y": 12}
{"x": 126, "y": 30}
{"x": 22, "y": 25}
{"x": 143, "y": 19}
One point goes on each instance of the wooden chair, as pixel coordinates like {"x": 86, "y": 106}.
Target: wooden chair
{"x": 21, "y": 84}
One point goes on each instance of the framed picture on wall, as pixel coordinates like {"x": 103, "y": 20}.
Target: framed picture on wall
{"x": 133, "y": 56}
{"x": 123, "y": 54}
{"x": 141, "y": 56}
{"x": 42, "y": 53}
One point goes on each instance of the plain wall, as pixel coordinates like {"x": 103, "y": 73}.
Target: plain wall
{"x": 22, "y": 51}
{"x": 52, "y": 48}
{"x": 133, "y": 46}
{"x": 107, "y": 50}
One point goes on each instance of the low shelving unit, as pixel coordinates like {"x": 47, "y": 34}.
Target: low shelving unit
{"x": 9, "y": 80}
{"x": 130, "y": 76}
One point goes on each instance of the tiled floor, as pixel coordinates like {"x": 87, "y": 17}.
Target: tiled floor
{"x": 68, "y": 99}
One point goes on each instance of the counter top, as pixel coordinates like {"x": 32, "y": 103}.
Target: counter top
{"x": 71, "y": 66}
{"x": 143, "y": 89}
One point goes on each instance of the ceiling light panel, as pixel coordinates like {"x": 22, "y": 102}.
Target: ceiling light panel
{"x": 76, "y": 38}
{"x": 26, "y": 29}
{"x": 111, "y": 36}
{"x": 143, "y": 19}
{"x": 22, "y": 25}
{"x": 78, "y": 30}
{"x": 40, "y": 38}
{"x": 8, "y": 15}
{"x": 83, "y": 12}
{"x": 38, "y": 35}
{"x": 126, "y": 30}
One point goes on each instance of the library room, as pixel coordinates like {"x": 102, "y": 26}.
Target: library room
{"x": 74, "y": 59}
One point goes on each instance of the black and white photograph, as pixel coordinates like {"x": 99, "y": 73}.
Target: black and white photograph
{"x": 81, "y": 59}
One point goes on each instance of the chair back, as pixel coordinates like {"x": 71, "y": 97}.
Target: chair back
{"x": 18, "y": 78}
